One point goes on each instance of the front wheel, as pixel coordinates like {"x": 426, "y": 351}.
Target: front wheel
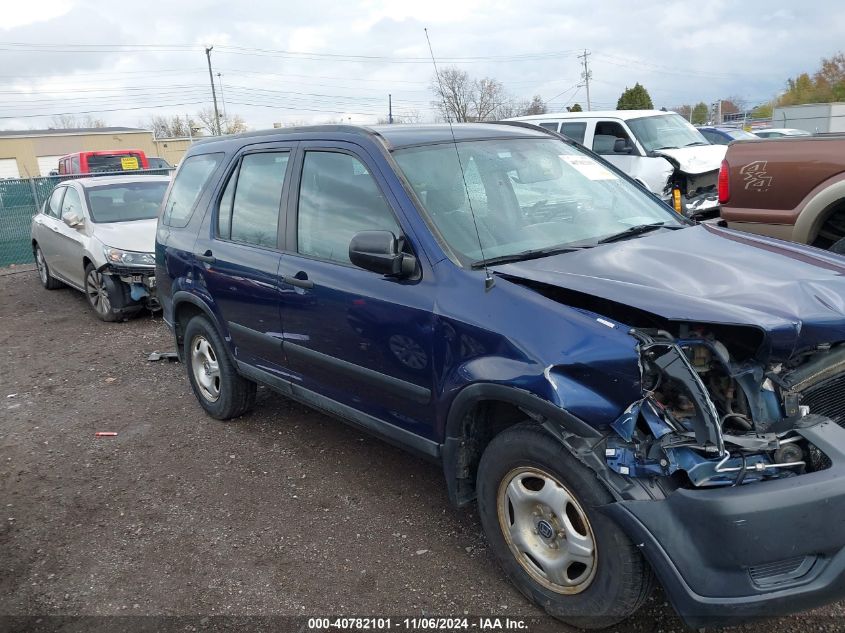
{"x": 102, "y": 295}
{"x": 539, "y": 509}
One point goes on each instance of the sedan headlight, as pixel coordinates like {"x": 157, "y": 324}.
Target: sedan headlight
{"x": 128, "y": 258}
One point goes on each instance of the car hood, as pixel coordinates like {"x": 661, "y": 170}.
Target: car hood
{"x": 699, "y": 159}
{"x": 707, "y": 274}
{"x": 137, "y": 235}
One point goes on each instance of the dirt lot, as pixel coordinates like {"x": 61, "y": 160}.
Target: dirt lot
{"x": 283, "y": 513}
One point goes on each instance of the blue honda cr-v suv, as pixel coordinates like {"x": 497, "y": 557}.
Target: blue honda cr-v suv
{"x": 628, "y": 395}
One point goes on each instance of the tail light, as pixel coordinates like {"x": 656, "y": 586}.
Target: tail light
{"x": 724, "y": 183}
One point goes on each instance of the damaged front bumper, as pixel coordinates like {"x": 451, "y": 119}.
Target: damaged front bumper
{"x": 140, "y": 279}
{"x": 732, "y": 553}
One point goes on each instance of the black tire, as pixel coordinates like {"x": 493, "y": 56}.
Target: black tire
{"x": 235, "y": 394}
{"x": 620, "y": 579}
{"x": 838, "y": 247}
{"x": 44, "y": 276}
{"x": 112, "y": 302}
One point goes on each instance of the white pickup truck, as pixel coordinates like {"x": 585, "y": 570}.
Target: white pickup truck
{"x": 661, "y": 150}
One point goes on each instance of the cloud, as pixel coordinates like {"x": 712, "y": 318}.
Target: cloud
{"x": 352, "y": 54}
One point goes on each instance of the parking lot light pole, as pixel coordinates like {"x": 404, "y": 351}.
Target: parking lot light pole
{"x": 213, "y": 92}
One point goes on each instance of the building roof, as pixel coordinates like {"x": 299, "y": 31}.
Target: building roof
{"x": 73, "y": 131}
{"x": 624, "y": 115}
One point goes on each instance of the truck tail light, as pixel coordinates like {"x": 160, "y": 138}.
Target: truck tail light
{"x": 724, "y": 183}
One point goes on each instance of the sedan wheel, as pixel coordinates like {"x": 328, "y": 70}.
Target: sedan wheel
{"x": 98, "y": 294}
{"x": 47, "y": 280}
{"x": 547, "y": 530}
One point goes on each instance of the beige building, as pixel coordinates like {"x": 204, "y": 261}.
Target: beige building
{"x": 31, "y": 153}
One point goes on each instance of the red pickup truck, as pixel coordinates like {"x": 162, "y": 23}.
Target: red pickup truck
{"x": 790, "y": 188}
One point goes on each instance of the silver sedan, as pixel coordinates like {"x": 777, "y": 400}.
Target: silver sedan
{"x": 98, "y": 235}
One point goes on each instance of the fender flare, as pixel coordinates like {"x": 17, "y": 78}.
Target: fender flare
{"x": 558, "y": 422}
{"x": 181, "y": 297}
{"x": 813, "y": 210}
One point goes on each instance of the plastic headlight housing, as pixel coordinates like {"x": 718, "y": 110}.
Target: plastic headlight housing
{"x": 128, "y": 258}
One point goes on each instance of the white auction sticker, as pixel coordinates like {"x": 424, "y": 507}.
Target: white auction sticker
{"x": 588, "y": 167}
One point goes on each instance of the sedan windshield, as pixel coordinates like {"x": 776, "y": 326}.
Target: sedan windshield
{"x": 529, "y": 197}
{"x": 126, "y": 201}
{"x": 665, "y": 131}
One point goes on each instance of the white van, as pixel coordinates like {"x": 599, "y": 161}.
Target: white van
{"x": 661, "y": 150}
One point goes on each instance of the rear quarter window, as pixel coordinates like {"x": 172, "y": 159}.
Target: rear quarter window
{"x": 190, "y": 181}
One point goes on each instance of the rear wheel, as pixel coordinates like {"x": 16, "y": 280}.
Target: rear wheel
{"x": 839, "y": 247}
{"x": 539, "y": 509}
{"x": 221, "y": 391}
{"x": 47, "y": 280}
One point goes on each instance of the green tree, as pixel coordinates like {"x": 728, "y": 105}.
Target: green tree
{"x": 636, "y": 98}
{"x": 700, "y": 113}
{"x": 825, "y": 85}
{"x": 576, "y": 108}
{"x": 762, "y": 111}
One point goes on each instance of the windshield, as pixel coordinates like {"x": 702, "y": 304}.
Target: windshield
{"x": 666, "y": 131}
{"x": 126, "y": 201}
{"x": 526, "y": 194}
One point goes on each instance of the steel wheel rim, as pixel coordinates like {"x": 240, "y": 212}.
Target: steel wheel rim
{"x": 98, "y": 294}
{"x": 206, "y": 368}
{"x": 41, "y": 265}
{"x": 547, "y": 530}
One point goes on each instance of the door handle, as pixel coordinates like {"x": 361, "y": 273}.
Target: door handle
{"x": 206, "y": 257}
{"x": 300, "y": 280}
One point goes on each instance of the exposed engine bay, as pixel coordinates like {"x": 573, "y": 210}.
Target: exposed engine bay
{"x": 713, "y": 415}
{"x": 698, "y": 195}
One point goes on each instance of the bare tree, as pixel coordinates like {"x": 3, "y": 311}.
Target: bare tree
{"x": 229, "y": 124}
{"x": 74, "y": 122}
{"x": 408, "y": 116}
{"x": 460, "y": 98}
{"x": 454, "y": 92}
{"x": 487, "y": 95}
{"x": 173, "y": 127}
{"x": 536, "y": 106}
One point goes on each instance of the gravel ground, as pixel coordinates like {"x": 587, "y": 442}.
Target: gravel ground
{"x": 284, "y": 512}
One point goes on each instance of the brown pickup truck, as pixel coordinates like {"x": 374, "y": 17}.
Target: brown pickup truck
{"x": 790, "y": 188}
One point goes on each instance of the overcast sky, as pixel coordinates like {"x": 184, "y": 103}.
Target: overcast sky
{"x": 284, "y": 61}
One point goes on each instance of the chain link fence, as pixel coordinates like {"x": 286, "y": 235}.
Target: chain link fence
{"x": 20, "y": 199}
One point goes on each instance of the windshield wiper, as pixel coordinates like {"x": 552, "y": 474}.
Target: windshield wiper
{"x": 525, "y": 255}
{"x": 635, "y": 230}
{"x": 695, "y": 143}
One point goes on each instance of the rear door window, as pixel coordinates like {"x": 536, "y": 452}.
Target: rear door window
{"x": 551, "y": 126}
{"x": 190, "y": 181}
{"x": 251, "y": 202}
{"x": 574, "y": 130}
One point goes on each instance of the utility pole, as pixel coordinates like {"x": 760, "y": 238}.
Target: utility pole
{"x": 586, "y": 76}
{"x": 213, "y": 92}
{"x": 390, "y": 108}
{"x": 222, "y": 98}
{"x": 190, "y": 131}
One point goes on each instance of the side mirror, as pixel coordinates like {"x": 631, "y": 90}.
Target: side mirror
{"x": 381, "y": 252}
{"x": 72, "y": 219}
{"x": 620, "y": 146}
